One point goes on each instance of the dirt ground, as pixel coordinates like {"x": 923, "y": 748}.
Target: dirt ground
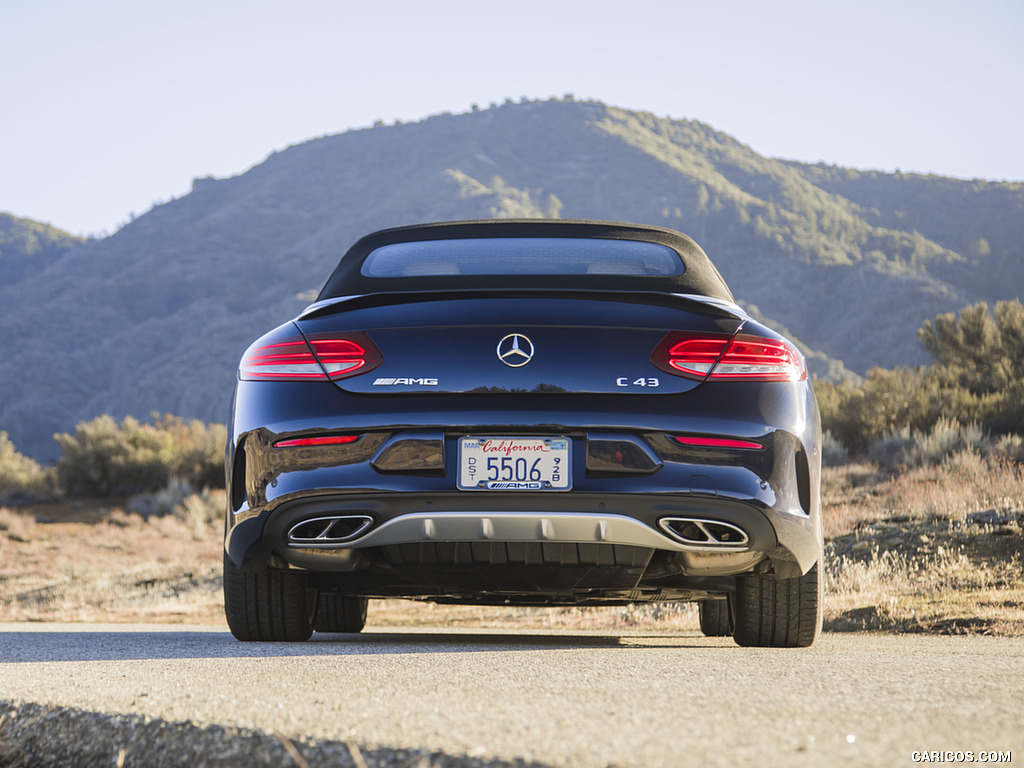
{"x": 928, "y": 552}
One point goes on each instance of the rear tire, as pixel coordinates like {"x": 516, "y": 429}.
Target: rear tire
{"x": 715, "y": 618}
{"x": 341, "y": 613}
{"x": 267, "y": 604}
{"x": 778, "y": 613}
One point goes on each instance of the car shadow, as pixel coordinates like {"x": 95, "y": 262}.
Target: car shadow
{"x": 60, "y": 644}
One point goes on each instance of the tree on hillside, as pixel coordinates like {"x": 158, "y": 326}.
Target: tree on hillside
{"x": 977, "y": 377}
{"x": 984, "y": 351}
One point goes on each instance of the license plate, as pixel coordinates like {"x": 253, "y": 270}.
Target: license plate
{"x": 514, "y": 464}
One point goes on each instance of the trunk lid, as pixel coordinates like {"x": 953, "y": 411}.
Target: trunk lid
{"x": 518, "y": 345}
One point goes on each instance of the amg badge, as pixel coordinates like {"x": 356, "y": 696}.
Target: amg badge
{"x": 405, "y": 382}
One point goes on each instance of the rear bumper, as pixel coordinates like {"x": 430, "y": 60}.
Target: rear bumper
{"x": 789, "y": 543}
{"x": 402, "y": 478}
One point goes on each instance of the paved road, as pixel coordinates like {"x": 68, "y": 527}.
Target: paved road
{"x": 563, "y": 699}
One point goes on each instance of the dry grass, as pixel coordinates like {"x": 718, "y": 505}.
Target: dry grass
{"x": 948, "y": 593}
{"x": 857, "y": 494}
{"x": 102, "y": 564}
{"x": 937, "y": 549}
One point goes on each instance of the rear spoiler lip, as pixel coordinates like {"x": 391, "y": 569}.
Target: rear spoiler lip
{"x": 327, "y": 306}
{"x": 316, "y": 306}
{"x": 730, "y": 306}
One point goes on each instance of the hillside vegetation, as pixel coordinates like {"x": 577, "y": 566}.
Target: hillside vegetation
{"x": 155, "y": 317}
{"x": 28, "y": 247}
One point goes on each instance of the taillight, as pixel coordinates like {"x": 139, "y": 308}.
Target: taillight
{"x": 290, "y": 357}
{"x": 752, "y": 357}
{"x": 341, "y": 357}
{"x": 693, "y": 357}
{"x": 742, "y": 358}
{"x": 287, "y": 360}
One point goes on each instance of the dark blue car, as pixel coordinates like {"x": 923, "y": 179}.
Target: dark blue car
{"x": 540, "y": 413}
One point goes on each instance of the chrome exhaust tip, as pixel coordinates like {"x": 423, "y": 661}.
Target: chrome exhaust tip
{"x": 328, "y": 531}
{"x": 705, "y": 534}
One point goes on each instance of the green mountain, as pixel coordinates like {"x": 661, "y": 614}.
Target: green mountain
{"x": 156, "y": 316}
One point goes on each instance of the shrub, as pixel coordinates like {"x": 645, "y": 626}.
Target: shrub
{"x": 197, "y": 448}
{"x": 19, "y": 473}
{"x": 104, "y": 458}
{"x": 946, "y": 440}
{"x": 977, "y": 378}
{"x": 1008, "y": 448}
{"x": 199, "y": 509}
{"x": 159, "y": 503}
{"x": 833, "y": 452}
{"x": 202, "y": 511}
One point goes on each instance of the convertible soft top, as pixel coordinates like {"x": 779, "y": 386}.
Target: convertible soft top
{"x": 526, "y": 253}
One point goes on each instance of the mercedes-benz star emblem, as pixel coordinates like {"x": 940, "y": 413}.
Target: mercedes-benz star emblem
{"x": 515, "y": 350}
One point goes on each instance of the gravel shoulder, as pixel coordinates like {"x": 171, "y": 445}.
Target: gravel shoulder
{"x": 37, "y": 736}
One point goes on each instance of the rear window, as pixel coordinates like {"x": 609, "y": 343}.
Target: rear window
{"x": 522, "y": 256}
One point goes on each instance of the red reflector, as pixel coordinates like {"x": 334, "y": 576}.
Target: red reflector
{"x": 305, "y": 442}
{"x": 718, "y": 442}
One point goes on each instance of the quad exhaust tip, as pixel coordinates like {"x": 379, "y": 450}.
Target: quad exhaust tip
{"x": 709, "y": 534}
{"x": 328, "y": 531}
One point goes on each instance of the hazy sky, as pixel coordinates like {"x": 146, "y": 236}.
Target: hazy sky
{"x": 108, "y": 106}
